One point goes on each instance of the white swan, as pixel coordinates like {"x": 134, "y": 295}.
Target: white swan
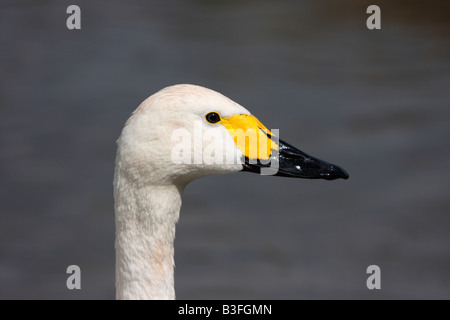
{"x": 150, "y": 175}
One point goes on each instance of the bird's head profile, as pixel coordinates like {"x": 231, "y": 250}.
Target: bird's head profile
{"x": 184, "y": 132}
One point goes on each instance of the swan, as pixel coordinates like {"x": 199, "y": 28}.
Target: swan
{"x": 179, "y": 134}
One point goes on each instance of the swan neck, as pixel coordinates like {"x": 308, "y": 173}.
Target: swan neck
{"x": 145, "y": 231}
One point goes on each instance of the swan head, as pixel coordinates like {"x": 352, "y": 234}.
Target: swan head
{"x": 184, "y": 132}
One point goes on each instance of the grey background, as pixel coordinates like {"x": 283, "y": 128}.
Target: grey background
{"x": 375, "y": 102}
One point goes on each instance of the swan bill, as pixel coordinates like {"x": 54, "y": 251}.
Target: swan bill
{"x": 265, "y": 154}
{"x": 289, "y": 161}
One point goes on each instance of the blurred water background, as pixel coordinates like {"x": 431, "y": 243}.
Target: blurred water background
{"x": 374, "y": 102}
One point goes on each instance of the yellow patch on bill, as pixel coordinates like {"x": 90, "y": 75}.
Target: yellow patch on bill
{"x": 250, "y": 135}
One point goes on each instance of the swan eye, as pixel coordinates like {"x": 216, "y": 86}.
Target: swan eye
{"x": 213, "y": 117}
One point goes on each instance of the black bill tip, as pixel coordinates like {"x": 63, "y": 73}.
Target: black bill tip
{"x": 334, "y": 172}
{"x": 291, "y": 162}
